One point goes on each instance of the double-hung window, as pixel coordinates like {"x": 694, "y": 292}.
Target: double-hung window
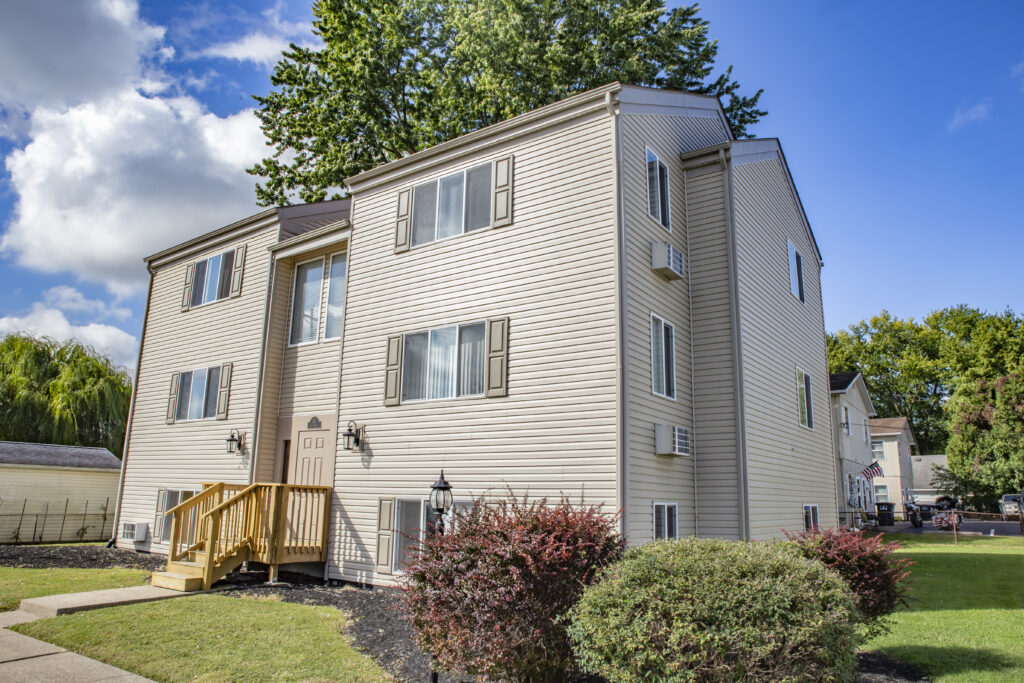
{"x": 167, "y": 499}
{"x": 665, "y": 521}
{"x": 810, "y": 517}
{"x": 846, "y": 420}
{"x": 211, "y": 279}
{"x": 663, "y": 353}
{"x": 309, "y": 279}
{"x": 335, "y": 297}
{"x": 657, "y": 190}
{"x": 804, "y": 399}
{"x": 796, "y": 273}
{"x": 881, "y": 493}
{"x": 414, "y": 519}
{"x": 452, "y": 205}
{"x": 878, "y": 450}
{"x": 197, "y": 394}
{"x": 444, "y": 363}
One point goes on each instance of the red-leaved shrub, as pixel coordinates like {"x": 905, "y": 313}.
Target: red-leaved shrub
{"x": 488, "y": 597}
{"x": 868, "y": 567}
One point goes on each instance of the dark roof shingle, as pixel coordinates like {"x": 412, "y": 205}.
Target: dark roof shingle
{"x": 53, "y": 455}
{"x": 838, "y": 381}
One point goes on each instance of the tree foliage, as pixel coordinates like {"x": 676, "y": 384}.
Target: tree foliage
{"x": 62, "y": 393}
{"x": 912, "y": 368}
{"x": 397, "y": 76}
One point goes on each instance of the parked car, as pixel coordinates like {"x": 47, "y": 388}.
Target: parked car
{"x": 1009, "y": 505}
{"x": 944, "y": 520}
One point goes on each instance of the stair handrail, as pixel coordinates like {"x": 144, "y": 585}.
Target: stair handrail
{"x": 202, "y": 499}
{"x": 237, "y": 533}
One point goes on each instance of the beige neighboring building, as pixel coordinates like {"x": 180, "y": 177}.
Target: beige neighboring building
{"x": 893, "y": 445}
{"x": 608, "y": 297}
{"x": 851, "y": 437}
{"x": 51, "y": 493}
{"x": 926, "y": 490}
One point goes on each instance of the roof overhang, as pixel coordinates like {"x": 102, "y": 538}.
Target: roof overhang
{"x": 335, "y": 233}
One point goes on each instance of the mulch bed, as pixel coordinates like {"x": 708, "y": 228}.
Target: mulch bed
{"x": 381, "y": 630}
{"x": 77, "y": 556}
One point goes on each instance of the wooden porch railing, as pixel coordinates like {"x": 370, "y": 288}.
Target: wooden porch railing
{"x": 269, "y": 523}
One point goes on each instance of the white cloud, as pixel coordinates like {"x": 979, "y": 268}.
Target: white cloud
{"x": 70, "y": 300}
{"x": 968, "y": 114}
{"x": 43, "y": 321}
{"x": 258, "y": 47}
{"x": 114, "y": 165}
{"x": 105, "y": 183}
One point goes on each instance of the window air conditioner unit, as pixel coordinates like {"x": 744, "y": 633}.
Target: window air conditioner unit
{"x": 135, "y": 531}
{"x": 671, "y": 440}
{"x": 667, "y": 261}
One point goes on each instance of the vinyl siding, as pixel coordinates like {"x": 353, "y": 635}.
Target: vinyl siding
{"x": 552, "y": 272}
{"x": 652, "y": 477}
{"x": 897, "y": 472}
{"x": 182, "y": 455}
{"x": 714, "y": 383}
{"x": 853, "y": 454}
{"x": 788, "y": 465}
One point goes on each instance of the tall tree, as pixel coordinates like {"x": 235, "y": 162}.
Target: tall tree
{"x": 63, "y": 393}
{"x": 397, "y": 76}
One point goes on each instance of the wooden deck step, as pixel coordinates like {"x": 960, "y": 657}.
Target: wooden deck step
{"x": 177, "y": 581}
{"x": 185, "y": 567}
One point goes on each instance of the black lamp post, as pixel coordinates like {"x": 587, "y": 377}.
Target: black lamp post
{"x": 440, "y": 503}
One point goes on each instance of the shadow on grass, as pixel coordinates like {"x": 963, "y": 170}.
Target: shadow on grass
{"x": 944, "y": 661}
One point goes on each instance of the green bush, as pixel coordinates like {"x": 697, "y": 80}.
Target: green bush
{"x": 710, "y": 610}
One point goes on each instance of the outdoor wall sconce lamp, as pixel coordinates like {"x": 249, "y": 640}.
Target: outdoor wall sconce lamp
{"x": 235, "y": 442}
{"x": 353, "y": 436}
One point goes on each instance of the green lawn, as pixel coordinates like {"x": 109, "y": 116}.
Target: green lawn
{"x": 966, "y": 621}
{"x": 18, "y": 584}
{"x": 214, "y": 638}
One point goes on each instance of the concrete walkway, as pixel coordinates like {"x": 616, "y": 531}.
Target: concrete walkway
{"x": 26, "y": 659}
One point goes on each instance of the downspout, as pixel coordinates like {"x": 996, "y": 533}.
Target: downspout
{"x": 257, "y": 421}
{"x": 737, "y": 340}
{"x": 694, "y": 436}
{"x": 622, "y": 365}
{"x": 131, "y": 413}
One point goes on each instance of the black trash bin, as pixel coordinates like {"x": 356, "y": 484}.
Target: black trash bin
{"x": 886, "y": 514}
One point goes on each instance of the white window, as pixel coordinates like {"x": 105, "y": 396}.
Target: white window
{"x": 665, "y": 521}
{"x": 804, "y": 398}
{"x": 663, "y": 354}
{"x": 881, "y": 493}
{"x": 197, "y": 394}
{"x": 851, "y": 490}
{"x": 166, "y": 500}
{"x": 846, "y": 420}
{"x": 680, "y": 440}
{"x": 452, "y": 205}
{"x": 867, "y": 432}
{"x": 335, "y": 297}
{"x": 211, "y": 279}
{"x": 657, "y": 190}
{"x": 878, "y": 450}
{"x": 444, "y": 363}
{"x": 810, "y": 517}
{"x": 308, "y": 287}
{"x": 414, "y": 518}
{"x": 796, "y": 273}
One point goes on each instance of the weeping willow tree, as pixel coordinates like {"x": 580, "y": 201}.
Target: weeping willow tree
{"x": 66, "y": 393}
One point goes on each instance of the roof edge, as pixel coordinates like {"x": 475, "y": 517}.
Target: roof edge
{"x": 183, "y": 246}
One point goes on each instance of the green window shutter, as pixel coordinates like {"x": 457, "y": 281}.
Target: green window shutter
{"x": 223, "y": 391}
{"x": 236, "y": 272}
{"x": 403, "y": 221}
{"x": 501, "y": 207}
{"x": 497, "y": 358}
{"x": 385, "y": 535}
{"x": 393, "y": 372}
{"x": 172, "y": 398}
{"x": 186, "y": 295}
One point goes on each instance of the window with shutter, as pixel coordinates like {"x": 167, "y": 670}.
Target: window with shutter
{"x": 172, "y": 399}
{"x": 214, "y": 278}
{"x": 443, "y": 363}
{"x": 186, "y": 297}
{"x": 393, "y": 371}
{"x": 385, "y": 534}
{"x": 199, "y": 394}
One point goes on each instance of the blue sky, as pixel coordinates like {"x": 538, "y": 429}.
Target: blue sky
{"x": 125, "y": 128}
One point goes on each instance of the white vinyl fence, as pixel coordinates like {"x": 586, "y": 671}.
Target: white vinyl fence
{"x": 24, "y": 520}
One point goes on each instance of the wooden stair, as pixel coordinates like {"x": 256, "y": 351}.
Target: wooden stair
{"x": 224, "y": 525}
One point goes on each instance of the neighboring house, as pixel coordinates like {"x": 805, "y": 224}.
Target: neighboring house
{"x": 892, "y": 445}
{"x": 851, "y": 438}
{"x": 608, "y": 297}
{"x": 51, "y": 493}
{"x": 923, "y": 469}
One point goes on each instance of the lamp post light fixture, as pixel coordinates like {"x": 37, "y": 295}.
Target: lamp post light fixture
{"x": 235, "y": 442}
{"x": 440, "y": 502}
{"x": 353, "y": 436}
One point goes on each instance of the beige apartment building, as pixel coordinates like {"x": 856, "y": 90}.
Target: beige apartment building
{"x": 892, "y": 445}
{"x": 609, "y": 298}
{"x": 852, "y": 410}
